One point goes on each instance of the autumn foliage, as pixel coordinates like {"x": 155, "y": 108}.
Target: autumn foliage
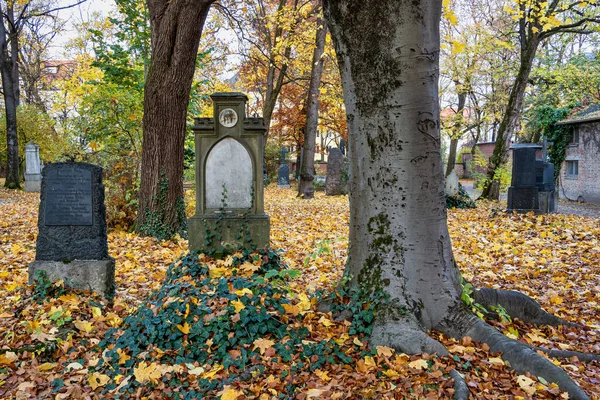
{"x": 248, "y": 327}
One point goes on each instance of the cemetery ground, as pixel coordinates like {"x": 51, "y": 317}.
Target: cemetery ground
{"x": 54, "y": 344}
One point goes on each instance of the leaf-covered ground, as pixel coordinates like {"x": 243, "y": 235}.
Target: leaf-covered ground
{"x": 49, "y": 348}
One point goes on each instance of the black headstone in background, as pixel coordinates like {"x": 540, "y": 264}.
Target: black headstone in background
{"x": 72, "y": 217}
{"x": 523, "y": 170}
{"x": 544, "y": 176}
{"x": 283, "y": 176}
{"x": 523, "y": 193}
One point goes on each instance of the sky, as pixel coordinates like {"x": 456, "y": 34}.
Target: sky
{"x": 75, "y": 14}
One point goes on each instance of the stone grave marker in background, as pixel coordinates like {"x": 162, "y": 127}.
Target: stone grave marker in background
{"x": 452, "y": 184}
{"x": 544, "y": 180}
{"x": 283, "y": 174}
{"x": 33, "y": 168}
{"x": 523, "y": 192}
{"x": 229, "y": 178}
{"x": 72, "y": 241}
{"x": 334, "y": 184}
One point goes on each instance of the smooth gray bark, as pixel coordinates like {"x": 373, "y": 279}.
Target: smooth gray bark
{"x": 388, "y": 56}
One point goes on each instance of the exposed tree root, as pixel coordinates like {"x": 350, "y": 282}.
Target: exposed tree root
{"x": 583, "y": 357}
{"x": 461, "y": 390}
{"x": 405, "y": 336}
{"x": 518, "y": 305}
{"x": 519, "y": 356}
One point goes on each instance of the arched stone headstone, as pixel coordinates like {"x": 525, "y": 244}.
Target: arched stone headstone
{"x": 228, "y": 172}
{"x": 229, "y": 160}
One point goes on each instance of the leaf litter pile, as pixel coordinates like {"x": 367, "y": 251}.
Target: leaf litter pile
{"x": 187, "y": 326}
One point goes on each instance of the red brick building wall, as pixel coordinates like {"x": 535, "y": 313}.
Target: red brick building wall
{"x": 585, "y": 185}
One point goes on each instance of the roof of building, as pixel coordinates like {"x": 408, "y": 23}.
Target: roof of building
{"x": 589, "y": 114}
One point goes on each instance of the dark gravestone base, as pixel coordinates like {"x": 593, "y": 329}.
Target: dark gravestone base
{"x": 94, "y": 275}
{"x": 231, "y": 226}
{"x": 523, "y": 199}
{"x": 548, "y": 201}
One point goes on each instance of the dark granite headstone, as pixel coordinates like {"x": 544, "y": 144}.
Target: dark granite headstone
{"x": 523, "y": 171}
{"x": 72, "y": 240}
{"x": 544, "y": 176}
{"x": 335, "y": 168}
{"x": 523, "y": 193}
{"x": 544, "y": 180}
{"x": 283, "y": 174}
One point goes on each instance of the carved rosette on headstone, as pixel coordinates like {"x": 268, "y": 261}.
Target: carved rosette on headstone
{"x": 72, "y": 240}
{"x": 229, "y": 178}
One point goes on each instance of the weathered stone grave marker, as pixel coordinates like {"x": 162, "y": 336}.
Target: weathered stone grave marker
{"x": 334, "y": 184}
{"x": 72, "y": 241}
{"x": 229, "y": 177}
{"x": 33, "y": 171}
{"x": 452, "y": 184}
{"x": 283, "y": 174}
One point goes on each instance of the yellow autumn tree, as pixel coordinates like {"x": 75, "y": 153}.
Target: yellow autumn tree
{"x": 534, "y": 22}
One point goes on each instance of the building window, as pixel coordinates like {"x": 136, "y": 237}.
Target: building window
{"x": 572, "y": 169}
{"x": 574, "y": 137}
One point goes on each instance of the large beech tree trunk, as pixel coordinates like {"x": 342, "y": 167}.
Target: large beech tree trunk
{"x": 176, "y": 29}
{"x": 307, "y": 171}
{"x": 388, "y": 56}
{"x": 399, "y": 243}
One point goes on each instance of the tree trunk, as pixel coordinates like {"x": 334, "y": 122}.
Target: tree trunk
{"x": 399, "y": 243}
{"x": 275, "y": 81}
{"x": 457, "y": 127}
{"x": 176, "y": 29}
{"x": 13, "y": 36}
{"x": 510, "y": 120}
{"x": 388, "y": 56}
{"x": 307, "y": 172}
{"x": 10, "y": 104}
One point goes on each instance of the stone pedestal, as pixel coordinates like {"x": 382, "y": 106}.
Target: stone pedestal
{"x": 523, "y": 200}
{"x": 232, "y": 229}
{"x": 94, "y": 275}
{"x": 33, "y": 183}
{"x": 548, "y": 201}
